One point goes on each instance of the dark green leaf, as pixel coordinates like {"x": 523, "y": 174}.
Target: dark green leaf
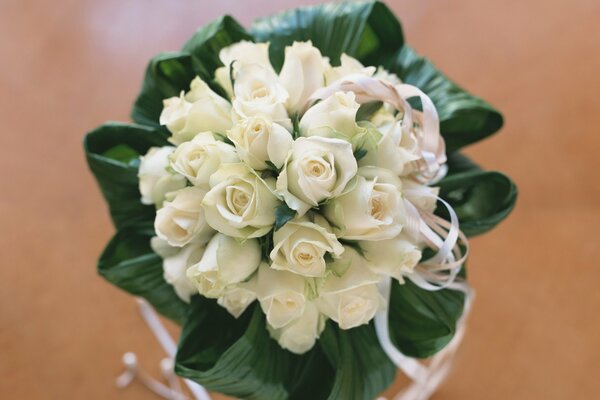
{"x": 423, "y": 322}
{"x": 366, "y": 110}
{"x": 207, "y": 42}
{"x": 464, "y": 118}
{"x": 166, "y": 76}
{"x": 238, "y": 358}
{"x": 129, "y": 263}
{"x": 283, "y": 214}
{"x": 363, "y": 370}
{"x": 117, "y": 177}
{"x": 366, "y": 30}
{"x": 360, "y": 153}
{"x": 481, "y": 199}
{"x": 458, "y": 163}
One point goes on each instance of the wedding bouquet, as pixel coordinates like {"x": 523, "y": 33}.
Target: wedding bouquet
{"x": 293, "y": 197}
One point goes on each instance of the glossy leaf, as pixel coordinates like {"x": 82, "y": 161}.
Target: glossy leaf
{"x": 238, "y": 358}
{"x": 464, "y": 118}
{"x": 423, "y": 322}
{"x": 129, "y": 263}
{"x": 363, "y": 370}
{"x": 367, "y": 30}
{"x": 112, "y": 152}
{"x": 481, "y": 199}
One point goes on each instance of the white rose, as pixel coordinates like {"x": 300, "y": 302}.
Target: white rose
{"x": 281, "y": 295}
{"x": 348, "y": 66}
{"x": 259, "y": 140}
{"x": 396, "y": 149}
{"x": 240, "y": 203}
{"x": 421, "y": 196}
{"x": 257, "y": 92}
{"x": 176, "y": 261}
{"x": 236, "y": 298}
{"x": 351, "y": 299}
{"x": 317, "y": 169}
{"x": 332, "y": 117}
{"x": 181, "y": 221}
{"x": 392, "y": 257}
{"x": 302, "y": 73}
{"x": 300, "y": 335}
{"x": 300, "y": 247}
{"x": 387, "y": 76}
{"x": 199, "y": 110}
{"x": 372, "y": 210}
{"x": 199, "y": 158}
{"x": 155, "y": 180}
{"x": 240, "y": 54}
{"x": 226, "y": 261}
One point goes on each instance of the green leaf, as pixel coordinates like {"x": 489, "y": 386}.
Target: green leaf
{"x": 464, "y": 118}
{"x": 283, "y": 214}
{"x": 423, "y": 322}
{"x": 110, "y": 150}
{"x": 458, "y": 162}
{"x": 238, "y": 358}
{"x": 363, "y": 370}
{"x": 366, "y": 30}
{"x": 366, "y": 110}
{"x": 481, "y": 199}
{"x": 129, "y": 263}
{"x": 166, "y": 76}
{"x": 207, "y": 42}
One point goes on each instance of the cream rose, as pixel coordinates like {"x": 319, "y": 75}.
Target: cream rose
{"x": 240, "y": 203}
{"x": 300, "y": 335}
{"x": 300, "y": 247}
{"x": 257, "y": 92}
{"x": 199, "y": 110}
{"x": 236, "y": 298}
{"x": 259, "y": 140}
{"x": 226, "y": 261}
{"x": 334, "y": 116}
{"x": 240, "y": 54}
{"x": 182, "y": 221}
{"x": 351, "y": 299}
{"x": 302, "y": 73}
{"x": 155, "y": 180}
{"x": 176, "y": 261}
{"x": 317, "y": 169}
{"x": 396, "y": 149}
{"x": 372, "y": 210}
{"x": 281, "y": 295}
{"x": 421, "y": 196}
{"x": 199, "y": 158}
{"x": 348, "y": 65}
{"x": 392, "y": 257}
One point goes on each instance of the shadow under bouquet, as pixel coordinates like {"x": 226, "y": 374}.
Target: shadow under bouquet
{"x": 293, "y": 196}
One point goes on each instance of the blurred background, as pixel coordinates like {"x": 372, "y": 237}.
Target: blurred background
{"x": 67, "y": 66}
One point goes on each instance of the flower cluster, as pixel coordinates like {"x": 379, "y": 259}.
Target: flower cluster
{"x": 270, "y": 196}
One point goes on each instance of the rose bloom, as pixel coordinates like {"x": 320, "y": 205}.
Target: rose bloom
{"x": 302, "y": 73}
{"x": 351, "y": 299}
{"x": 372, "y": 210}
{"x": 240, "y": 203}
{"x": 236, "y": 298}
{"x": 226, "y": 261}
{"x": 155, "y": 181}
{"x": 300, "y": 335}
{"x": 199, "y": 158}
{"x": 281, "y": 295}
{"x": 300, "y": 247}
{"x": 181, "y": 221}
{"x": 348, "y": 66}
{"x": 334, "y": 116}
{"x": 317, "y": 169}
{"x": 395, "y": 257}
{"x": 259, "y": 140}
{"x": 199, "y": 110}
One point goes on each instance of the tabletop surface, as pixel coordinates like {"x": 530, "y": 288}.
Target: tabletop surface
{"x": 68, "y": 66}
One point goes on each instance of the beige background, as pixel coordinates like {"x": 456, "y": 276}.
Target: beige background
{"x": 66, "y": 66}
